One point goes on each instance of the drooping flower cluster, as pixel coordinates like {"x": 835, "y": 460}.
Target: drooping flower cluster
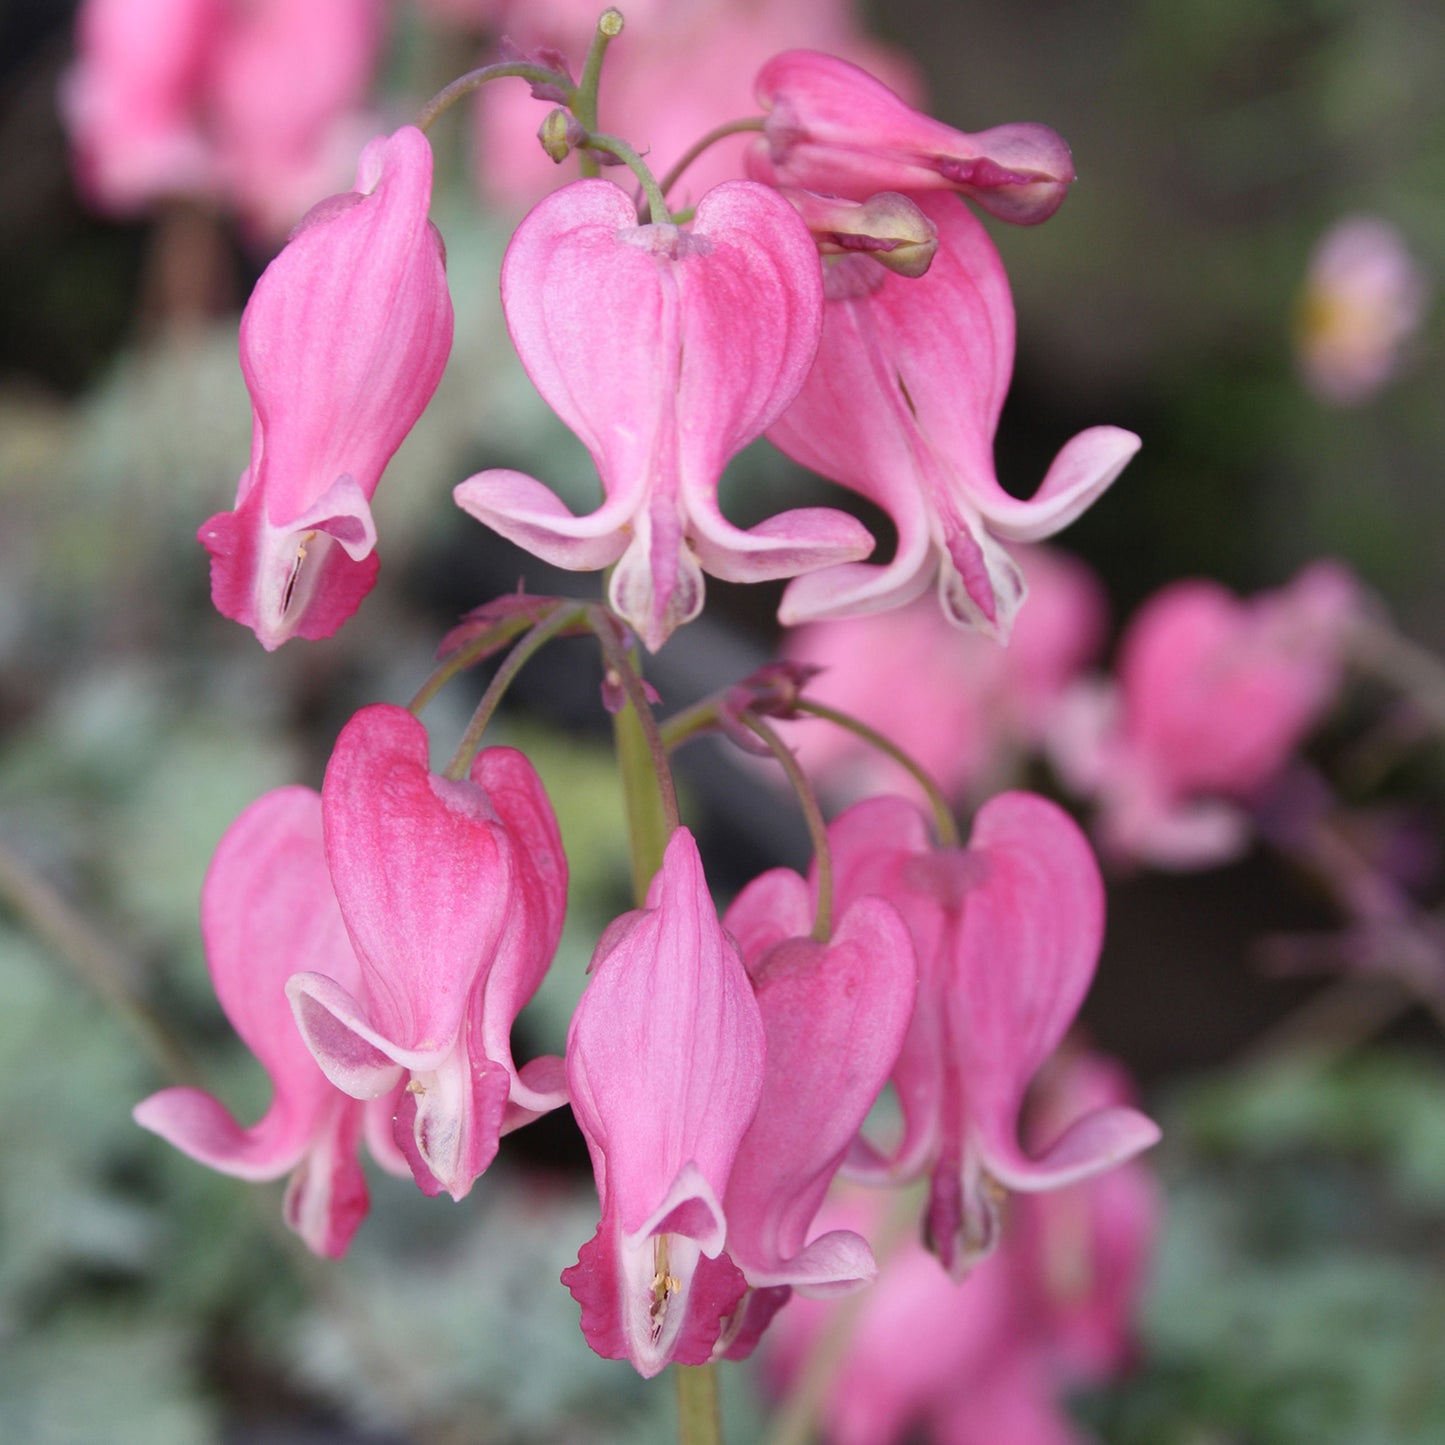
{"x": 840, "y": 301}
{"x": 375, "y": 945}
{"x": 407, "y": 917}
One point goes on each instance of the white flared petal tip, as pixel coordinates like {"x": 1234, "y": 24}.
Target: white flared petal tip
{"x": 835, "y": 1264}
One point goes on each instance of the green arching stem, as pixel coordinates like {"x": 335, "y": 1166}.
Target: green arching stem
{"x": 499, "y": 633}
{"x": 698, "y": 1420}
{"x": 718, "y": 133}
{"x": 647, "y": 785}
{"x": 691, "y": 722}
{"x": 584, "y": 103}
{"x": 515, "y": 661}
{"x": 447, "y": 97}
{"x": 817, "y": 827}
{"x": 943, "y": 822}
{"x": 616, "y": 146}
{"x": 88, "y": 948}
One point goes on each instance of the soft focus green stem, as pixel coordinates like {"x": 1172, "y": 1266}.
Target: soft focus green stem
{"x": 718, "y": 133}
{"x": 495, "y": 636}
{"x": 1340, "y": 1018}
{"x": 1405, "y": 665}
{"x": 817, "y": 826}
{"x": 464, "y": 85}
{"x": 648, "y": 790}
{"x": 616, "y": 146}
{"x": 690, "y": 723}
{"x": 514, "y": 662}
{"x": 943, "y": 821}
{"x": 698, "y": 1420}
{"x": 59, "y": 926}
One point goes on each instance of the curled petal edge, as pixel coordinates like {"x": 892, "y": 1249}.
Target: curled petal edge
{"x": 1089, "y": 1146}
{"x": 1084, "y": 468}
{"x": 356, "y": 1058}
{"x": 527, "y": 512}
{"x": 203, "y": 1128}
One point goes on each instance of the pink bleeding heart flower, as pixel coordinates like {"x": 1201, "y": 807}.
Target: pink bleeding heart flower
{"x": 453, "y": 894}
{"x": 267, "y": 911}
{"x": 1008, "y": 932}
{"x": 835, "y": 1016}
{"x": 342, "y": 345}
{"x": 666, "y": 349}
{"x": 902, "y": 406}
{"x": 665, "y": 1066}
{"x": 1214, "y": 694}
{"x": 834, "y": 128}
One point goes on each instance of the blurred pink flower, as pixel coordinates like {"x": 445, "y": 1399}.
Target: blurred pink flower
{"x": 253, "y": 102}
{"x": 666, "y": 349}
{"x": 1214, "y": 693}
{"x": 986, "y": 1362}
{"x": 1364, "y": 297}
{"x": 678, "y": 69}
{"x": 268, "y": 910}
{"x": 902, "y": 405}
{"x": 965, "y": 708}
{"x": 130, "y": 101}
{"x": 342, "y": 344}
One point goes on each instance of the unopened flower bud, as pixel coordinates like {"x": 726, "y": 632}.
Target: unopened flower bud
{"x": 887, "y": 226}
{"x": 833, "y": 127}
{"x": 553, "y": 133}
